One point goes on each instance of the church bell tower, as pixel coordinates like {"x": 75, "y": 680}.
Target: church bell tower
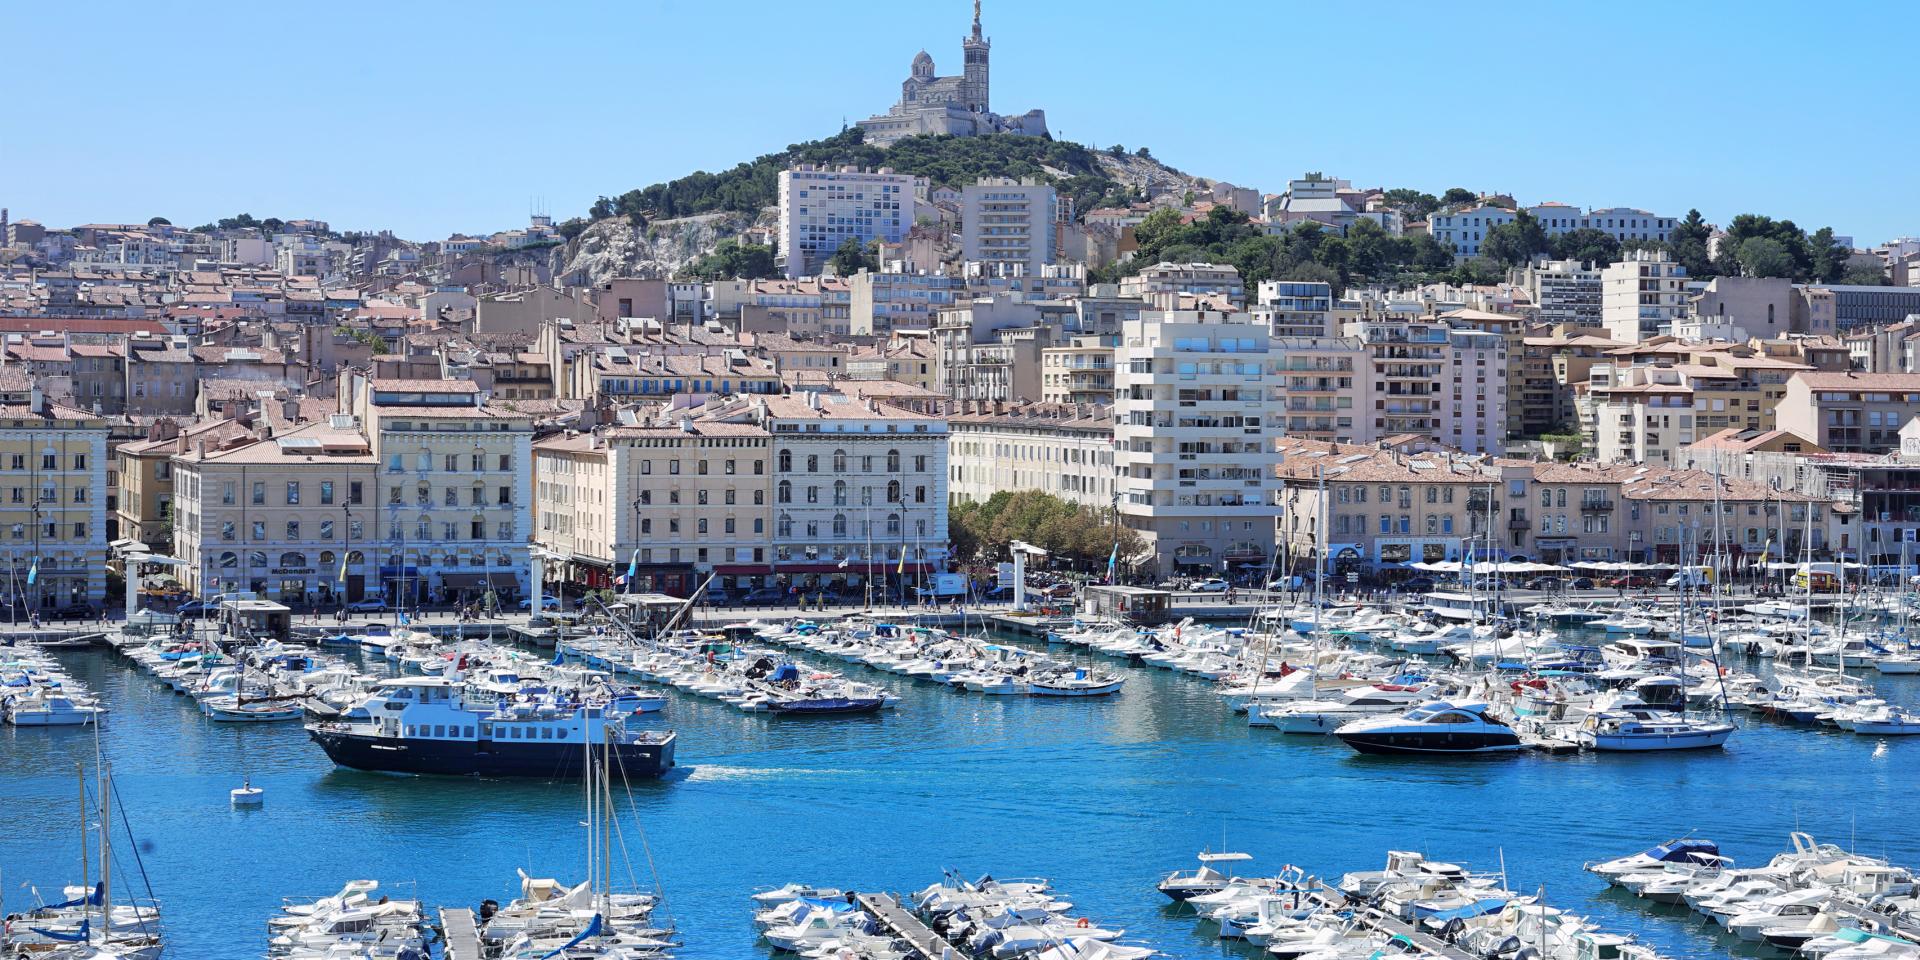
{"x": 975, "y": 79}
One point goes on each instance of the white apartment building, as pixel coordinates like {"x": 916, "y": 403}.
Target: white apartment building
{"x": 1462, "y": 231}
{"x": 1296, "y": 308}
{"x": 1474, "y": 417}
{"x": 1641, "y": 294}
{"x": 1009, "y": 223}
{"x": 1564, "y": 291}
{"x": 1407, "y": 359}
{"x": 821, "y": 209}
{"x": 1200, "y": 279}
{"x": 1193, "y": 445}
{"x": 453, "y": 506}
{"x": 54, "y": 516}
{"x": 1064, "y": 449}
{"x": 1326, "y": 387}
{"x": 1465, "y": 230}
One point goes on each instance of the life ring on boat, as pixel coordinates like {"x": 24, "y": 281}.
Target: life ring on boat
{"x": 1084, "y": 923}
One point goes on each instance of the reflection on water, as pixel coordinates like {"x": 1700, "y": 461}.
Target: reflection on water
{"x": 1104, "y": 797}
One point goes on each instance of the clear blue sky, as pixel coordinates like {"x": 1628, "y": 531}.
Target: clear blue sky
{"x": 429, "y": 118}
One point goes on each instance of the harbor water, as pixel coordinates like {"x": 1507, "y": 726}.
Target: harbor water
{"x": 1103, "y": 796}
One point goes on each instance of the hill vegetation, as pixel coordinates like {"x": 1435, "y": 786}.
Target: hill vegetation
{"x": 944, "y": 160}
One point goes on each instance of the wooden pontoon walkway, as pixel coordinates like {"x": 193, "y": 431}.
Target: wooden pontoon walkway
{"x": 887, "y": 910}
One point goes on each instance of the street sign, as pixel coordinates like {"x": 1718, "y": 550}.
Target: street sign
{"x": 1353, "y": 578}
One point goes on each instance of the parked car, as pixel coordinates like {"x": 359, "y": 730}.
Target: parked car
{"x": 1580, "y": 583}
{"x": 1631, "y": 581}
{"x": 76, "y": 611}
{"x": 195, "y": 608}
{"x": 371, "y": 605}
{"x": 1211, "y": 585}
{"x": 765, "y": 595}
{"x": 1544, "y": 583}
{"x": 547, "y": 603}
{"x": 1417, "y": 585}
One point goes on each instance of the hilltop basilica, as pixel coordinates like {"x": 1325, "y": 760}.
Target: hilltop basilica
{"x": 954, "y": 105}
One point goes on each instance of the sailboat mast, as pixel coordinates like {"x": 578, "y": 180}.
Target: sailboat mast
{"x": 106, "y": 858}
{"x": 86, "y": 875}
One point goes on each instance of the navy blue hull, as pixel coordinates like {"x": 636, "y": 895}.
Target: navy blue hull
{"x": 495, "y": 759}
{"x": 1431, "y": 743}
{"x": 823, "y": 708}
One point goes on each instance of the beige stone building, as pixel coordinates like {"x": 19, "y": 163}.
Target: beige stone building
{"x": 53, "y": 517}
{"x": 1064, "y": 449}
{"x": 290, "y": 516}
{"x": 674, "y": 500}
{"x": 453, "y": 498}
{"x": 1850, "y": 412}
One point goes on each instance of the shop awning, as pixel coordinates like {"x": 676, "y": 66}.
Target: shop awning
{"x": 464, "y": 581}
{"x": 743, "y": 569}
{"x": 883, "y": 567}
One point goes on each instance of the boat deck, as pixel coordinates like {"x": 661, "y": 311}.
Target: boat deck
{"x": 888, "y": 912}
{"x": 463, "y": 938}
{"x": 1394, "y": 926}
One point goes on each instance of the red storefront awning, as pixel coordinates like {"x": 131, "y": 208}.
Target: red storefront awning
{"x": 852, "y": 568}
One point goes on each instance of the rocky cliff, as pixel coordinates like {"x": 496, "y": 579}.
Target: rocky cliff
{"x": 613, "y": 248}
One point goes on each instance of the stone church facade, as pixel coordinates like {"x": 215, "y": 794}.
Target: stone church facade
{"x": 959, "y": 105}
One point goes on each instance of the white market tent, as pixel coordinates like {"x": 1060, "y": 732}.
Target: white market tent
{"x": 1455, "y": 566}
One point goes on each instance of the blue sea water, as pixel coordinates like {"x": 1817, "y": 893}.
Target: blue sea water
{"x": 1102, "y": 796}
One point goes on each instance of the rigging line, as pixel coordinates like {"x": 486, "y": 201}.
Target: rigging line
{"x": 646, "y": 848}
{"x": 138, "y": 861}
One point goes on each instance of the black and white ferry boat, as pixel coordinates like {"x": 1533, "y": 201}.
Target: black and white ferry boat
{"x": 428, "y": 725}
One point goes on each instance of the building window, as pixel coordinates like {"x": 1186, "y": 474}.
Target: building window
{"x": 326, "y": 491}
{"x": 259, "y": 493}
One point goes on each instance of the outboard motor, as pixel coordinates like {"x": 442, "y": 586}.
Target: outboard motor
{"x": 487, "y": 909}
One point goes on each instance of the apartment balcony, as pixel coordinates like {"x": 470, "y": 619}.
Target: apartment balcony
{"x": 1596, "y": 506}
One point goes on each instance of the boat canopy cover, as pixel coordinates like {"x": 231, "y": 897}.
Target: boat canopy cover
{"x": 832, "y": 906}
{"x": 78, "y": 936}
{"x": 1477, "y": 908}
{"x": 91, "y": 900}
{"x": 785, "y": 671}
{"x": 592, "y": 930}
{"x": 1685, "y": 851}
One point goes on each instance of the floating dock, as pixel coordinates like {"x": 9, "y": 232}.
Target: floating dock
{"x": 463, "y": 938}
{"x": 886, "y": 910}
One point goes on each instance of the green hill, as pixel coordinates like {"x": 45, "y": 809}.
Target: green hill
{"x": 946, "y": 161}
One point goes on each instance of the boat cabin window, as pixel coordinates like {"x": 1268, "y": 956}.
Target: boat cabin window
{"x": 1451, "y": 716}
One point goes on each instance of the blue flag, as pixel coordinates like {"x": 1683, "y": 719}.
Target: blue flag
{"x": 1113, "y": 561}
{"x": 33, "y": 571}
{"x": 633, "y": 565}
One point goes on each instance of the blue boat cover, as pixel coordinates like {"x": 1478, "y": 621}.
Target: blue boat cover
{"x": 1685, "y": 851}
{"x": 1475, "y": 909}
{"x": 592, "y": 930}
{"x": 91, "y": 899}
{"x": 79, "y": 937}
{"x": 785, "y": 671}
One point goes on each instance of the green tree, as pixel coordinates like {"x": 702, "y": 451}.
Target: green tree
{"x": 1587, "y": 244}
{"x": 1688, "y": 245}
{"x": 1456, "y": 196}
{"x": 1764, "y": 257}
{"x": 1864, "y": 274}
{"x": 733, "y": 260}
{"x": 1412, "y": 204}
{"x": 851, "y": 258}
{"x": 1075, "y": 533}
{"x": 1516, "y": 243}
{"x": 1828, "y": 256}
{"x": 159, "y": 222}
